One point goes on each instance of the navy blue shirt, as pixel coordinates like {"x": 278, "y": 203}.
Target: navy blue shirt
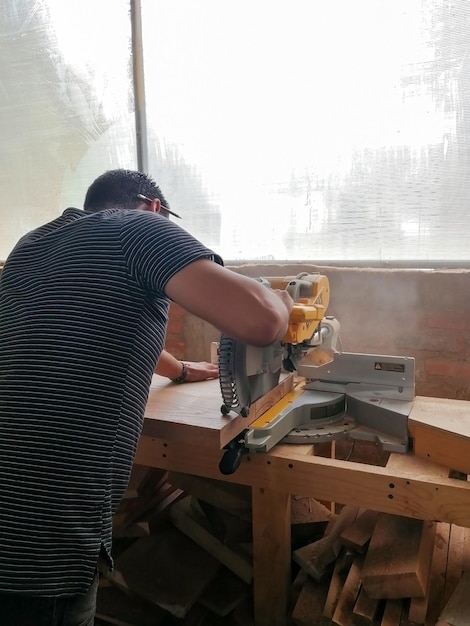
{"x": 83, "y": 316}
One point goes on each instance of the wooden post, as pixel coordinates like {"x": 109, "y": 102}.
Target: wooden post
{"x": 271, "y": 556}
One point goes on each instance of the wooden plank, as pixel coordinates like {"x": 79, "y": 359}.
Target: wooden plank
{"x": 296, "y": 588}
{"x": 391, "y": 491}
{"x": 154, "y": 518}
{"x": 440, "y": 429}
{"x": 457, "y": 609}
{"x": 180, "y": 515}
{"x": 121, "y": 529}
{"x": 141, "y": 488}
{"x": 327, "y": 449}
{"x": 309, "y": 519}
{"x": 272, "y": 556}
{"x": 308, "y": 610}
{"x": 392, "y": 613}
{"x": 196, "y": 616}
{"x": 300, "y": 448}
{"x": 419, "y": 606}
{"x": 454, "y": 560}
{"x": 144, "y": 506}
{"x": 357, "y": 535}
{"x": 438, "y": 573}
{"x": 365, "y": 609}
{"x": 230, "y": 530}
{"x": 318, "y": 557}
{"x": 152, "y": 481}
{"x": 191, "y": 413}
{"x": 415, "y": 465}
{"x": 466, "y": 551}
{"x": 337, "y": 580}
{"x": 307, "y": 510}
{"x": 347, "y": 598}
{"x": 138, "y": 478}
{"x": 235, "y": 499}
{"x": 224, "y": 593}
{"x": 398, "y": 558}
{"x": 113, "y": 606}
{"x": 167, "y": 569}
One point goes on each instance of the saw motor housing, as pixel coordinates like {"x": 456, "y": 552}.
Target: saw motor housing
{"x": 311, "y": 296}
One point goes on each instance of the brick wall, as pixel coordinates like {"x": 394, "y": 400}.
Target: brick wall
{"x": 420, "y": 313}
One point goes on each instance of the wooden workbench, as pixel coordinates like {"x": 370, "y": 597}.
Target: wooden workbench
{"x": 184, "y": 431}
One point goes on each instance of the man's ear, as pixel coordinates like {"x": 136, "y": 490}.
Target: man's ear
{"x": 155, "y": 206}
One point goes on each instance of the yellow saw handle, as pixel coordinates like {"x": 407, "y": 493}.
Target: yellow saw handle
{"x": 311, "y": 294}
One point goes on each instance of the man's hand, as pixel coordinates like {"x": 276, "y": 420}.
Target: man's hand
{"x": 171, "y": 368}
{"x": 200, "y": 371}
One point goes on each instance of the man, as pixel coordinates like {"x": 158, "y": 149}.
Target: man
{"x": 83, "y": 311}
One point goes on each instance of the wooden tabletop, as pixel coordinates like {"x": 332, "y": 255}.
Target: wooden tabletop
{"x": 191, "y": 413}
{"x": 440, "y": 429}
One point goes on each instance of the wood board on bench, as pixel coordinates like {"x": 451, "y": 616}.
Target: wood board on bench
{"x": 191, "y": 413}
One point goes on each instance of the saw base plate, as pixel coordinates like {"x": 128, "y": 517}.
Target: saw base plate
{"x": 319, "y": 416}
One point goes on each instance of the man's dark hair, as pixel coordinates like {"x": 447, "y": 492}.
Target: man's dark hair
{"x": 118, "y": 189}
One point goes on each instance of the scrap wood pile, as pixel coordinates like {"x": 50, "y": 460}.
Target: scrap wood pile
{"x": 183, "y": 556}
{"x": 183, "y": 552}
{"x": 376, "y": 569}
{"x": 179, "y": 559}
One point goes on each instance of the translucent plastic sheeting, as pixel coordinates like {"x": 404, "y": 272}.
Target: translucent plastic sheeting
{"x": 289, "y": 130}
{"x": 66, "y": 105}
{"x": 305, "y": 129}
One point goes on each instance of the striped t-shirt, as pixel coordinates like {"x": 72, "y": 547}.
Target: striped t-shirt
{"x": 83, "y": 316}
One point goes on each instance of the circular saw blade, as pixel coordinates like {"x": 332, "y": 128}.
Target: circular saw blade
{"x": 247, "y": 372}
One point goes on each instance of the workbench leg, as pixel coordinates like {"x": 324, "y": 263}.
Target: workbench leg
{"x": 271, "y": 556}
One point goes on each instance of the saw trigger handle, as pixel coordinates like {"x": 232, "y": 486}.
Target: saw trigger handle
{"x": 232, "y": 456}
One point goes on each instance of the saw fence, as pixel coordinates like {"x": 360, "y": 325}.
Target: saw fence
{"x": 184, "y": 434}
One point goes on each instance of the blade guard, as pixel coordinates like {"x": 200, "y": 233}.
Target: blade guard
{"x": 246, "y": 373}
{"x": 232, "y": 359}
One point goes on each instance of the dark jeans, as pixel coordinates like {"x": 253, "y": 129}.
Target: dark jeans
{"x": 17, "y": 610}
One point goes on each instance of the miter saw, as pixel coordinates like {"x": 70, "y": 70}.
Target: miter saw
{"x": 362, "y": 396}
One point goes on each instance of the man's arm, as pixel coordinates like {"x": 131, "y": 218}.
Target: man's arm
{"x": 172, "y": 368}
{"x": 236, "y": 305}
